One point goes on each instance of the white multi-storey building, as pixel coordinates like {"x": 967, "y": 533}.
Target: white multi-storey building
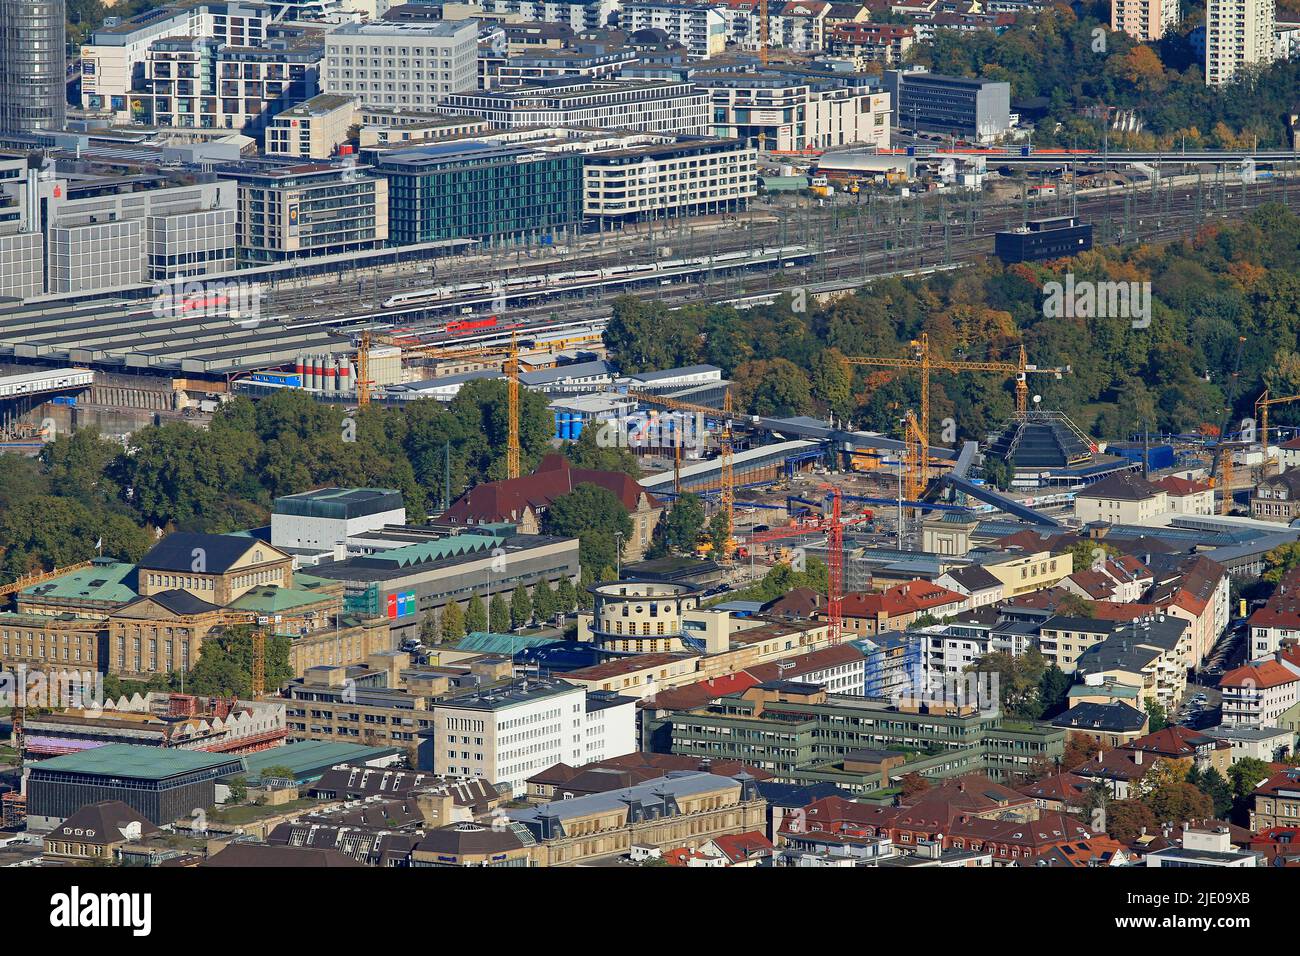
{"x": 1238, "y": 34}
{"x": 113, "y": 62}
{"x": 796, "y": 111}
{"x": 507, "y": 734}
{"x": 701, "y": 29}
{"x": 1259, "y": 693}
{"x": 1145, "y": 20}
{"x": 649, "y": 107}
{"x": 410, "y": 65}
{"x": 669, "y": 179}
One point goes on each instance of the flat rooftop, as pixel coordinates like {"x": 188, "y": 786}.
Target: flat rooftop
{"x": 137, "y": 763}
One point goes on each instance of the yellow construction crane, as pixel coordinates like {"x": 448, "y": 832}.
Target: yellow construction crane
{"x": 1225, "y": 478}
{"x": 509, "y": 353}
{"x": 728, "y": 478}
{"x": 259, "y": 646}
{"x": 1262, "y": 405}
{"x": 913, "y": 473}
{"x": 925, "y": 362}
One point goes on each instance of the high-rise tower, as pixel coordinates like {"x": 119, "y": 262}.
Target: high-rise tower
{"x": 33, "y": 77}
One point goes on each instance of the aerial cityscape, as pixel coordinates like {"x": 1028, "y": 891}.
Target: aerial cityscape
{"x": 651, "y": 434}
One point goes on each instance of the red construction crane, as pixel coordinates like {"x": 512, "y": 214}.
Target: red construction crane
{"x": 832, "y": 524}
{"x": 835, "y": 551}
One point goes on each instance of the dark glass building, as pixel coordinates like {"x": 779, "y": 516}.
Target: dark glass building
{"x": 161, "y": 783}
{"x": 479, "y": 190}
{"x": 33, "y": 92}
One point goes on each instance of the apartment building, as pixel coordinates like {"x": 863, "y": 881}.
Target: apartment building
{"x": 799, "y": 25}
{"x": 678, "y": 810}
{"x": 1238, "y": 35}
{"x": 506, "y": 734}
{"x": 900, "y": 606}
{"x": 113, "y": 61}
{"x": 693, "y": 176}
{"x": 1143, "y": 20}
{"x": 699, "y": 28}
{"x": 1262, "y": 693}
{"x": 578, "y": 15}
{"x": 1022, "y": 573}
{"x": 1277, "y": 801}
{"x": 1277, "y": 498}
{"x": 865, "y": 43}
{"x": 651, "y": 106}
{"x": 412, "y": 65}
{"x": 202, "y": 83}
{"x": 796, "y": 110}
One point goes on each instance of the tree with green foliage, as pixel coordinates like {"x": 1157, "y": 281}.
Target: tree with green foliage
{"x": 1126, "y": 819}
{"x": 429, "y": 629}
{"x": 720, "y": 534}
{"x": 1280, "y": 560}
{"x": 586, "y": 579}
{"x": 594, "y": 516}
{"x": 680, "y": 526}
{"x": 498, "y": 615}
{"x": 1157, "y": 717}
{"x": 997, "y": 472}
{"x": 1088, "y": 554}
{"x": 545, "y": 603}
{"x": 566, "y": 596}
{"x": 1215, "y": 786}
{"x": 782, "y": 579}
{"x": 1075, "y": 605}
{"x": 1019, "y": 680}
{"x": 521, "y": 607}
{"x": 1054, "y": 691}
{"x": 453, "y": 623}
{"x": 476, "y": 616}
{"x": 1179, "y": 801}
{"x": 225, "y": 665}
{"x": 1246, "y": 774}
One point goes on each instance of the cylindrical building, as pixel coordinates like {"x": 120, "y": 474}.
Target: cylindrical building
{"x": 33, "y": 78}
{"x": 641, "y": 616}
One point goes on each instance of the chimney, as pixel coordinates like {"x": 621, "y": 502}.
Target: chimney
{"x": 1137, "y": 757}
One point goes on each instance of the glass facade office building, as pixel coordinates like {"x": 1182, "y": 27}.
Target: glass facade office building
{"x": 32, "y": 79}
{"x": 480, "y": 191}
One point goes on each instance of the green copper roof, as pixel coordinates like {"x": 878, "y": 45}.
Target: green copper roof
{"x": 449, "y": 547}
{"x": 486, "y": 643}
{"x": 102, "y": 581}
{"x": 271, "y": 600}
{"x": 142, "y": 763}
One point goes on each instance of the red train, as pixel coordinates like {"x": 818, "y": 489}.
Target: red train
{"x": 461, "y": 326}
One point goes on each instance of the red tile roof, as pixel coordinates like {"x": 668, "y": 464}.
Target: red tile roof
{"x": 739, "y": 847}
{"x": 692, "y": 696}
{"x": 1181, "y": 486}
{"x": 912, "y": 597}
{"x": 1268, "y": 673}
{"x": 509, "y": 500}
